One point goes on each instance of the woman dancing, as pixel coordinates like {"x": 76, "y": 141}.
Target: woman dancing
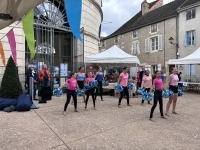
{"x": 173, "y": 85}
{"x": 147, "y": 84}
{"x": 81, "y": 80}
{"x": 91, "y": 91}
{"x": 99, "y": 78}
{"x": 158, "y": 85}
{"x": 123, "y": 81}
{"x": 71, "y": 91}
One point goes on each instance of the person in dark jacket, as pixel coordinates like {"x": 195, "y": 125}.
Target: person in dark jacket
{"x": 142, "y": 74}
{"x": 32, "y": 73}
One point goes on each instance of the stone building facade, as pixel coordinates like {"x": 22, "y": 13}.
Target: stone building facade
{"x": 64, "y": 48}
{"x": 146, "y": 35}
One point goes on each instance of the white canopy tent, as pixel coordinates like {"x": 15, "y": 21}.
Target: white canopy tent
{"x": 193, "y": 58}
{"x": 113, "y": 56}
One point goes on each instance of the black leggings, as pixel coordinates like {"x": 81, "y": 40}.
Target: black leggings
{"x": 125, "y": 90}
{"x": 74, "y": 95}
{"x": 157, "y": 97}
{"x": 146, "y": 90}
{"x": 91, "y": 91}
{"x": 101, "y": 90}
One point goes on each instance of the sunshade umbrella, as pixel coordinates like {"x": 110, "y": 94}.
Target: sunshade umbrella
{"x": 13, "y": 10}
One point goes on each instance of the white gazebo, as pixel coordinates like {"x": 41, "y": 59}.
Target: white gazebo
{"x": 113, "y": 57}
{"x": 193, "y": 58}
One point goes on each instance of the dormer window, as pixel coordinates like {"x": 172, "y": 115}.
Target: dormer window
{"x": 135, "y": 33}
{"x": 154, "y": 28}
{"x": 116, "y": 39}
{"x": 190, "y": 14}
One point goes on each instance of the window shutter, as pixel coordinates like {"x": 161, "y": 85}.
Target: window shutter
{"x": 160, "y": 42}
{"x": 134, "y": 48}
{"x": 159, "y": 67}
{"x": 194, "y": 37}
{"x": 147, "y": 45}
{"x": 185, "y": 40}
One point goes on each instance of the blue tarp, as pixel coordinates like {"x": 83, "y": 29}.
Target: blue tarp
{"x": 7, "y": 103}
{"x": 73, "y": 10}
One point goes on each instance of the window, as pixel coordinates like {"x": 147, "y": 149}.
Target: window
{"x": 154, "y": 44}
{"x": 135, "y": 34}
{"x": 154, "y": 28}
{"x": 190, "y": 70}
{"x": 103, "y": 43}
{"x": 190, "y": 38}
{"x": 135, "y": 46}
{"x": 190, "y": 14}
{"x": 116, "y": 39}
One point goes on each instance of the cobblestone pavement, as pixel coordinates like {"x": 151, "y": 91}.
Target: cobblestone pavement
{"x": 106, "y": 128}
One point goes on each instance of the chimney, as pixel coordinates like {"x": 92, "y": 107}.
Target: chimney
{"x": 145, "y": 7}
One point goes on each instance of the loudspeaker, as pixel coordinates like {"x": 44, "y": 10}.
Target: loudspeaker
{"x": 46, "y": 93}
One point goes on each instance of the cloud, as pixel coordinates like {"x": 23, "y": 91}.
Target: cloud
{"x": 118, "y": 12}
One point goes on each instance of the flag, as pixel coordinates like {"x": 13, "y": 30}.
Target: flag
{"x": 29, "y": 32}
{"x": 12, "y": 42}
{"x": 73, "y": 10}
{"x": 2, "y": 55}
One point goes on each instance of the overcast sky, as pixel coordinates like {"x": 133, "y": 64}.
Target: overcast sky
{"x": 118, "y": 12}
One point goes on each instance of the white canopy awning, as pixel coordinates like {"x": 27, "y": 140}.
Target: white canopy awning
{"x": 16, "y": 9}
{"x": 193, "y": 58}
{"x": 114, "y": 55}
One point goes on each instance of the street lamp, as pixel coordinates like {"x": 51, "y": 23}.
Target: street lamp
{"x": 171, "y": 41}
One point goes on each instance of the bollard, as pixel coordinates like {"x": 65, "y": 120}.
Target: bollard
{"x": 31, "y": 88}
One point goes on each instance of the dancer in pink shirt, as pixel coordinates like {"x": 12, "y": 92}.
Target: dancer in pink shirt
{"x": 71, "y": 91}
{"x": 123, "y": 81}
{"x": 147, "y": 84}
{"x": 158, "y": 85}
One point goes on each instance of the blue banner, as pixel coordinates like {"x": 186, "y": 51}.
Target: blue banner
{"x": 73, "y": 10}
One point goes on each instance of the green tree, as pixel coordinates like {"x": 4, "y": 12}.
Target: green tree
{"x": 10, "y": 84}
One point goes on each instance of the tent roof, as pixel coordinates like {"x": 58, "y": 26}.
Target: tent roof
{"x": 113, "y": 55}
{"x": 193, "y": 58}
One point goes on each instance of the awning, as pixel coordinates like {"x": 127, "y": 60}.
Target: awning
{"x": 13, "y": 10}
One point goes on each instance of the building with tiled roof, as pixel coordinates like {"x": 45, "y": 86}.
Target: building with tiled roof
{"x": 147, "y": 34}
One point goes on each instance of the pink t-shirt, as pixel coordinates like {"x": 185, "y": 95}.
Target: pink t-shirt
{"x": 175, "y": 79}
{"x": 158, "y": 83}
{"x": 72, "y": 83}
{"x": 90, "y": 80}
{"x": 147, "y": 82}
{"x": 124, "y": 79}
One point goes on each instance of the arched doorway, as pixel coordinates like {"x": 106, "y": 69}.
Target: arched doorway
{"x": 54, "y": 41}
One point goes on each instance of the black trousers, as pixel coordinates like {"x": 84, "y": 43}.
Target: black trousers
{"x": 91, "y": 91}
{"x": 125, "y": 90}
{"x": 74, "y": 95}
{"x": 148, "y": 90}
{"x": 101, "y": 90}
{"x": 157, "y": 97}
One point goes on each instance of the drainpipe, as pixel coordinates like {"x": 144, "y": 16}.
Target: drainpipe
{"x": 177, "y": 34}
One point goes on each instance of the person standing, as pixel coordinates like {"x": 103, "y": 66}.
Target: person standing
{"x": 173, "y": 85}
{"x": 71, "y": 91}
{"x": 138, "y": 80}
{"x": 142, "y": 74}
{"x": 99, "y": 78}
{"x": 91, "y": 91}
{"x": 90, "y": 70}
{"x": 158, "y": 85}
{"x": 147, "y": 84}
{"x": 123, "y": 81}
{"x": 81, "y": 80}
{"x": 44, "y": 76}
{"x": 32, "y": 73}
{"x": 115, "y": 76}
